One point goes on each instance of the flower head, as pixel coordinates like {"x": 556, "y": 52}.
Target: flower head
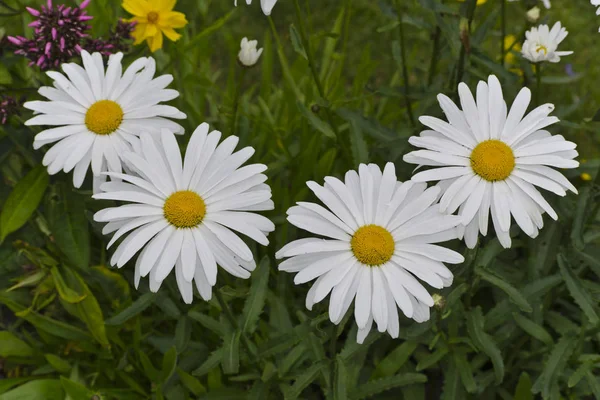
{"x": 182, "y": 215}
{"x": 154, "y": 18}
{"x": 98, "y": 115}
{"x": 381, "y": 236}
{"x": 8, "y": 106}
{"x": 541, "y": 43}
{"x": 533, "y": 14}
{"x": 248, "y": 54}
{"x": 489, "y": 160}
{"x": 119, "y": 40}
{"x": 266, "y": 5}
{"x": 58, "y": 32}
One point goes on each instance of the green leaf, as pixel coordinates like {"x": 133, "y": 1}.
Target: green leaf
{"x": 581, "y": 212}
{"x": 208, "y": 322}
{"x": 523, "y": 390}
{"x": 12, "y": 346}
{"x": 303, "y": 380}
{"x": 432, "y": 359}
{"x": 77, "y": 391}
{"x": 452, "y": 389}
{"x": 7, "y": 383}
{"x": 23, "y": 200}
{"x": 64, "y": 291}
{"x": 592, "y": 382}
{"x": 514, "y": 295}
{"x": 315, "y": 121}
{"x": 151, "y": 372}
{"x": 579, "y": 373}
{"x": 58, "y": 363}
{"x": 211, "y": 362}
{"x": 380, "y": 385}
{"x": 297, "y": 42}
{"x": 255, "y": 301}
{"x": 40, "y": 389}
{"x": 143, "y": 302}
{"x": 169, "y": 363}
{"x": 485, "y": 342}
{"x": 394, "y": 360}
{"x": 465, "y": 371}
{"x": 5, "y": 78}
{"x": 208, "y": 30}
{"x": 533, "y": 329}
{"x": 69, "y": 225}
{"x": 340, "y": 386}
{"x": 190, "y": 382}
{"x": 360, "y": 152}
{"x": 231, "y": 353}
{"x": 259, "y": 391}
{"x": 577, "y": 291}
{"x": 554, "y": 366}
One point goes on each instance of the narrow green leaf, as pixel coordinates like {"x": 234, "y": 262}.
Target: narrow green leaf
{"x": 208, "y": 30}
{"x": 592, "y": 381}
{"x": 77, "y": 391}
{"x": 211, "y": 362}
{"x": 209, "y": 323}
{"x": 394, "y": 360}
{"x": 340, "y": 387}
{"x": 579, "y": 374}
{"x": 8, "y": 383}
{"x": 12, "y": 346}
{"x": 453, "y": 388}
{"x": 577, "y": 291}
{"x": 255, "y": 301}
{"x": 315, "y": 121}
{"x": 432, "y": 359}
{"x": 40, "y": 389}
{"x": 64, "y": 291}
{"x": 58, "y": 363}
{"x": 22, "y": 201}
{"x": 523, "y": 390}
{"x": 231, "y": 353}
{"x": 485, "y": 342}
{"x": 151, "y": 372}
{"x": 69, "y": 225}
{"x": 554, "y": 366}
{"x": 303, "y": 380}
{"x": 465, "y": 371}
{"x": 169, "y": 363}
{"x": 259, "y": 391}
{"x": 380, "y": 385}
{"x": 191, "y": 383}
{"x": 297, "y": 42}
{"x": 143, "y": 302}
{"x": 533, "y": 329}
{"x": 514, "y": 295}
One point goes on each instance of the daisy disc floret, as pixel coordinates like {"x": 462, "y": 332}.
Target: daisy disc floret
{"x": 181, "y": 216}
{"x": 541, "y": 43}
{"x": 98, "y": 114}
{"x": 381, "y": 238}
{"x": 489, "y": 160}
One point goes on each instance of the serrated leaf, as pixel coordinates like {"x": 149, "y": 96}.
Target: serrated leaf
{"x": 297, "y": 42}
{"x": 191, "y": 383}
{"x": 209, "y": 323}
{"x": 12, "y": 346}
{"x": 380, "y": 385}
{"x": 231, "y": 353}
{"x": 465, "y": 371}
{"x": 302, "y": 381}
{"x": 432, "y": 359}
{"x": 315, "y": 121}
{"x": 514, "y": 294}
{"x": 592, "y": 382}
{"x": 394, "y": 360}
{"x": 211, "y": 362}
{"x": 577, "y": 291}
{"x": 533, "y": 329}
{"x": 579, "y": 374}
{"x": 554, "y": 366}
{"x": 143, "y": 302}
{"x": 255, "y": 302}
{"x": 340, "y": 384}
{"x": 523, "y": 390}
{"x": 485, "y": 342}
{"x": 22, "y": 201}
{"x": 453, "y": 388}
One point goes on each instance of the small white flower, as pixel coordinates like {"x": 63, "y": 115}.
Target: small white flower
{"x": 266, "y": 5}
{"x": 488, "y": 160}
{"x": 547, "y": 3}
{"x": 182, "y": 215}
{"x": 248, "y": 54}
{"x": 381, "y": 239}
{"x": 541, "y": 43}
{"x": 533, "y": 15}
{"x": 99, "y": 114}
{"x": 596, "y": 3}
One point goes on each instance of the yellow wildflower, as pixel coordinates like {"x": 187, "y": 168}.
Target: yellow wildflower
{"x": 479, "y": 2}
{"x": 153, "y": 18}
{"x": 586, "y": 177}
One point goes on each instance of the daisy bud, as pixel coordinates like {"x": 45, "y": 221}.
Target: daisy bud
{"x": 533, "y": 15}
{"x": 249, "y": 55}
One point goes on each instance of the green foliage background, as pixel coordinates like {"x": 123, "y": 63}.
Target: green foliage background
{"x": 517, "y": 324}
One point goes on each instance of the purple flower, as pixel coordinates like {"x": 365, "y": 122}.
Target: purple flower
{"x": 58, "y": 32}
{"x": 8, "y": 106}
{"x": 118, "y": 40}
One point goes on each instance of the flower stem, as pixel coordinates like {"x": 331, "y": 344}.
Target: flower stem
{"x": 409, "y": 110}
{"x": 434, "y": 55}
{"x": 503, "y": 29}
{"x": 538, "y": 80}
{"x": 460, "y": 69}
{"x": 233, "y": 322}
{"x": 236, "y": 101}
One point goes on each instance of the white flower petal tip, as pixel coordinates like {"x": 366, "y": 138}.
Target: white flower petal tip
{"x": 541, "y": 43}
{"x": 97, "y": 111}
{"x": 490, "y": 160}
{"x": 265, "y": 5}
{"x": 183, "y": 215}
{"x": 375, "y": 241}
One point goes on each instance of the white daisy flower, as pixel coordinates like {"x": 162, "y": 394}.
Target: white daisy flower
{"x": 182, "y": 217}
{"x": 266, "y": 5}
{"x": 596, "y": 3}
{"x": 488, "y": 161}
{"x": 541, "y": 43}
{"x": 99, "y": 114}
{"x": 248, "y": 54}
{"x": 381, "y": 237}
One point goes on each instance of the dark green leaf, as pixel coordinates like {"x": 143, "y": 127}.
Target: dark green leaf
{"x": 41, "y": 389}
{"x": 394, "y": 360}
{"x": 302, "y": 381}
{"x": 169, "y": 363}
{"x": 297, "y": 42}
{"x": 533, "y": 329}
{"x": 315, "y": 121}
{"x": 485, "y": 342}
{"x": 523, "y": 390}
{"x": 515, "y": 296}
{"x": 577, "y": 291}
{"x": 143, "y": 302}
{"x": 380, "y": 385}
{"x": 554, "y": 366}
{"x": 465, "y": 371}
{"x": 211, "y": 362}
{"x": 11, "y": 346}
{"x": 77, "y": 391}
{"x": 255, "y": 301}
{"x": 231, "y": 353}
{"x": 190, "y": 382}
{"x": 208, "y": 322}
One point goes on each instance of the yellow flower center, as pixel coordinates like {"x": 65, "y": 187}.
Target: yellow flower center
{"x": 493, "y": 160}
{"x": 152, "y": 17}
{"x": 184, "y": 209}
{"x": 372, "y": 245}
{"x": 543, "y": 49}
{"x": 104, "y": 117}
